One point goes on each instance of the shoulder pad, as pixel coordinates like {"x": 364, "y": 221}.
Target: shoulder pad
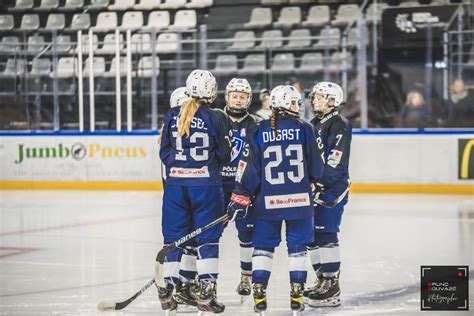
{"x": 339, "y": 122}
{"x": 255, "y": 118}
{"x": 218, "y": 112}
{"x": 254, "y": 127}
{"x": 173, "y": 111}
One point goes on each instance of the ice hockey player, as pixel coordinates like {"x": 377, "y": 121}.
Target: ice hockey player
{"x": 196, "y": 144}
{"x": 264, "y": 112}
{"x": 334, "y": 134}
{"x": 278, "y": 164}
{"x": 186, "y": 288}
{"x": 178, "y": 97}
{"x": 238, "y": 97}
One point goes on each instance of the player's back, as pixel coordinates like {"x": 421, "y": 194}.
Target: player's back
{"x": 196, "y": 159}
{"x": 288, "y": 161}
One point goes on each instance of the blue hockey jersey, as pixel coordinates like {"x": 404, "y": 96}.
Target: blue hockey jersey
{"x": 198, "y": 159}
{"x": 334, "y": 133}
{"x": 240, "y": 129}
{"x": 277, "y": 169}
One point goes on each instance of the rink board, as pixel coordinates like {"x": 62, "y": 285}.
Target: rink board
{"x": 80, "y": 162}
{"x": 417, "y": 162}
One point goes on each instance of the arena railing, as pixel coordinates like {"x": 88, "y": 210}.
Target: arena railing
{"x": 361, "y": 58}
{"x": 201, "y": 54}
{"x": 454, "y": 39}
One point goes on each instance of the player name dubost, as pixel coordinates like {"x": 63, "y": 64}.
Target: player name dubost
{"x": 283, "y": 134}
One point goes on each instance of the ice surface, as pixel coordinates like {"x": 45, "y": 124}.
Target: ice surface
{"x": 62, "y": 252}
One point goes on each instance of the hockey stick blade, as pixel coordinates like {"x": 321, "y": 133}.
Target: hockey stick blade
{"x": 162, "y": 253}
{"x": 110, "y": 306}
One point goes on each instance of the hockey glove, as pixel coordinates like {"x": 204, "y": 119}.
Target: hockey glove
{"x": 238, "y": 207}
{"x": 318, "y": 191}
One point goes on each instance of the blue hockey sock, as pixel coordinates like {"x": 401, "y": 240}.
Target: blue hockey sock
{"x": 297, "y": 255}
{"x": 207, "y": 261}
{"x": 262, "y": 265}
{"x": 246, "y": 251}
{"x": 171, "y": 267}
{"x": 188, "y": 270}
{"x": 314, "y": 258}
{"x": 329, "y": 253}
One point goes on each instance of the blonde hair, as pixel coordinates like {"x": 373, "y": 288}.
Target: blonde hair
{"x": 273, "y": 120}
{"x": 161, "y": 135}
{"x": 410, "y": 95}
{"x": 186, "y": 115}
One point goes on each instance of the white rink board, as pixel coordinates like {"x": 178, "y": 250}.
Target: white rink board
{"x": 384, "y": 159}
{"x": 80, "y": 158}
{"x": 420, "y": 159}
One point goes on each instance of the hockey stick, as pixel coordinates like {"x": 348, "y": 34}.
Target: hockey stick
{"x": 160, "y": 258}
{"x": 110, "y": 306}
{"x": 330, "y": 204}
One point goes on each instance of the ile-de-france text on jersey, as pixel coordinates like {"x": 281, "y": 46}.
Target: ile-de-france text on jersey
{"x": 240, "y": 129}
{"x": 196, "y": 159}
{"x": 277, "y": 169}
{"x": 334, "y": 134}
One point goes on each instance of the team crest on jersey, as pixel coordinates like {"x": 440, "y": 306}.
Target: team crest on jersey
{"x": 237, "y": 149}
{"x": 334, "y": 158}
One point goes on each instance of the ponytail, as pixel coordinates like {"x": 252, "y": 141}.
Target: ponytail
{"x": 186, "y": 115}
{"x": 273, "y": 120}
{"x": 161, "y": 135}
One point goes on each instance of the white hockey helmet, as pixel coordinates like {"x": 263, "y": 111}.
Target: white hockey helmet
{"x": 178, "y": 97}
{"x": 201, "y": 84}
{"x": 329, "y": 90}
{"x": 264, "y": 93}
{"x": 282, "y": 97}
{"x": 239, "y": 85}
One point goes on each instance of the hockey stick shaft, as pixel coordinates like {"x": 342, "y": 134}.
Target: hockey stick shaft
{"x": 338, "y": 200}
{"x": 160, "y": 258}
{"x": 104, "y": 306}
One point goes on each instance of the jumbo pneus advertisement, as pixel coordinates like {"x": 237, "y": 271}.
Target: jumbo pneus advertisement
{"x": 79, "y": 158}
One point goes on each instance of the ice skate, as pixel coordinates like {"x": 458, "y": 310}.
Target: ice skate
{"x": 207, "y": 299}
{"x": 260, "y": 298}
{"x": 327, "y": 294}
{"x": 186, "y": 294}
{"x": 168, "y": 304}
{"x": 244, "y": 289}
{"x": 296, "y": 298}
{"x": 312, "y": 288}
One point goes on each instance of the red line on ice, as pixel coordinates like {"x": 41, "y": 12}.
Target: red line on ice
{"x": 13, "y": 251}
